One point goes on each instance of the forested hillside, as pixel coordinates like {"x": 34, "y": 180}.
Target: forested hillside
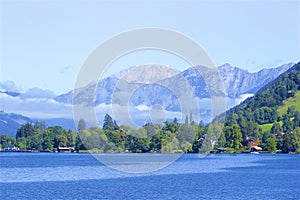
{"x": 271, "y": 117}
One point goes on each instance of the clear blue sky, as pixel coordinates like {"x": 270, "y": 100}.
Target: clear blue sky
{"x": 44, "y": 43}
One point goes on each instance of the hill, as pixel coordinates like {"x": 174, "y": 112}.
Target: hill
{"x": 292, "y": 102}
{"x": 10, "y": 122}
{"x": 272, "y": 115}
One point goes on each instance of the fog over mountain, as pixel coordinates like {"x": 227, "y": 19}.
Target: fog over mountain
{"x": 144, "y": 92}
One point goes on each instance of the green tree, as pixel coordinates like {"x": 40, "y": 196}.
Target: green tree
{"x": 271, "y": 144}
{"x": 137, "y": 140}
{"x": 291, "y": 111}
{"x": 170, "y": 126}
{"x": 108, "y": 123}
{"x": 79, "y": 145}
{"x": 185, "y": 135}
{"x": 5, "y": 140}
{"x": 116, "y": 126}
{"x": 35, "y": 142}
{"x": 221, "y": 140}
{"x": 252, "y": 130}
{"x": 150, "y": 129}
{"x": 61, "y": 140}
{"x": 287, "y": 125}
{"x": 117, "y": 138}
{"x": 25, "y": 130}
{"x": 72, "y": 137}
{"x": 286, "y": 143}
{"x": 296, "y": 119}
{"x": 276, "y": 128}
{"x": 81, "y": 125}
{"x": 175, "y": 120}
{"x": 233, "y": 136}
{"x": 186, "y": 120}
{"x": 192, "y": 122}
{"x": 296, "y": 138}
{"x": 22, "y": 143}
{"x": 210, "y": 138}
{"x": 48, "y": 141}
{"x": 199, "y": 137}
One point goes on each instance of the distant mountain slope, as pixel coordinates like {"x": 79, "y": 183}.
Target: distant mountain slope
{"x": 13, "y": 94}
{"x": 10, "y": 122}
{"x": 63, "y": 122}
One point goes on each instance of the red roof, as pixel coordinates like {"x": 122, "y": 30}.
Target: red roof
{"x": 255, "y": 143}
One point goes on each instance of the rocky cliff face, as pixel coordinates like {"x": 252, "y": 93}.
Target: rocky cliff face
{"x": 238, "y": 81}
{"x": 162, "y": 85}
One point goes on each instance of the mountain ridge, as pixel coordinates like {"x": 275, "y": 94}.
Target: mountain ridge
{"x": 238, "y": 84}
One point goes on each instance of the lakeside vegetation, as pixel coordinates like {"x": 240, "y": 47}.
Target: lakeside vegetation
{"x": 171, "y": 137}
{"x": 271, "y": 117}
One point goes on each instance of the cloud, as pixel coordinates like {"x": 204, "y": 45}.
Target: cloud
{"x": 36, "y": 108}
{"x": 243, "y": 97}
{"x": 8, "y": 86}
{"x": 142, "y": 108}
{"x": 46, "y": 108}
{"x": 38, "y": 93}
{"x": 137, "y": 116}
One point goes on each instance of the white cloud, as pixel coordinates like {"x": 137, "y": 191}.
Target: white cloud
{"x": 44, "y": 108}
{"x": 38, "y": 93}
{"x": 35, "y": 107}
{"x": 8, "y": 86}
{"x": 142, "y": 107}
{"x": 243, "y": 97}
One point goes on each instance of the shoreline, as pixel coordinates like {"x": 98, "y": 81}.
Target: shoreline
{"x": 87, "y": 152}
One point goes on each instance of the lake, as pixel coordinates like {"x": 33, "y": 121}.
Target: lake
{"x": 216, "y": 176}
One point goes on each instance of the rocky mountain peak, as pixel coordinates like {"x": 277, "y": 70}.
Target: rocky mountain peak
{"x": 149, "y": 73}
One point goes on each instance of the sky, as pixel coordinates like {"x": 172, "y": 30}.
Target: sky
{"x": 44, "y": 43}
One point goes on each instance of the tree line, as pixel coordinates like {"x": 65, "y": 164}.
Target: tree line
{"x": 169, "y": 137}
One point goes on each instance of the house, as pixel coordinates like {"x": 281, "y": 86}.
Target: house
{"x": 11, "y": 148}
{"x": 256, "y": 149}
{"x": 221, "y": 150}
{"x": 66, "y": 149}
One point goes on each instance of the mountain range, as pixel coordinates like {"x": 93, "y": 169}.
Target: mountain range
{"x": 236, "y": 82}
{"x": 141, "y": 88}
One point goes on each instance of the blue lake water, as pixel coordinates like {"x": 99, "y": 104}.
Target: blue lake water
{"x": 82, "y": 176}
